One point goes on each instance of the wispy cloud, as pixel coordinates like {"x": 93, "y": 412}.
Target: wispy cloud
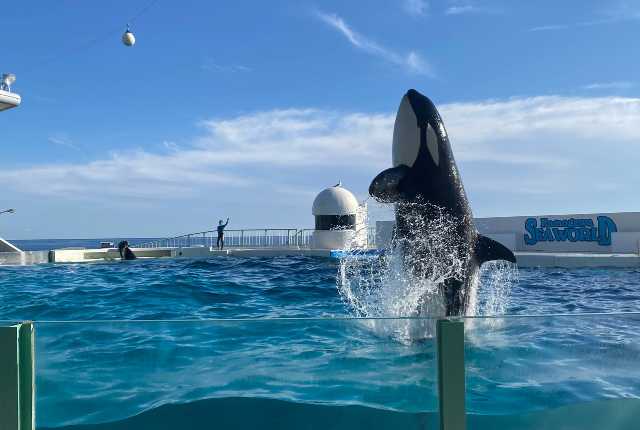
{"x": 212, "y": 66}
{"x": 615, "y": 85}
{"x": 224, "y": 156}
{"x": 616, "y": 12}
{"x": 416, "y": 7}
{"x": 556, "y": 27}
{"x": 459, "y": 10}
{"x": 469, "y": 7}
{"x": 551, "y": 27}
{"x": 412, "y": 60}
{"x": 62, "y": 140}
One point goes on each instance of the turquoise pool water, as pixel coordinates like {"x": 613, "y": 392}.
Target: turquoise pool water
{"x": 232, "y": 361}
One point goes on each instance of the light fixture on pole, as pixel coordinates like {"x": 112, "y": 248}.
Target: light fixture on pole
{"x": 7, "y": 80}
{"x": 128, "y": 38}
{"x": 8, "y": 99}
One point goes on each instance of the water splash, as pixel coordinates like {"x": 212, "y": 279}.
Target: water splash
{"x": 496, "y": 279}
{"x": 384, "y": 287}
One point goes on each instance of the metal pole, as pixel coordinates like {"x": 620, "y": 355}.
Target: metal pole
{"x": 451, "y": 383}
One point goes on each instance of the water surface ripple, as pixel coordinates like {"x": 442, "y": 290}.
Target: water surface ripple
{"x": 106, "y": 371}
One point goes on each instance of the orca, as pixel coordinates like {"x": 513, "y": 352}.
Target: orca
{"x": 423, "y": 182}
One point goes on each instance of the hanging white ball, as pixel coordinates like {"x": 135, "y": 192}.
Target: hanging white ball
{"x": 128, "y": 38}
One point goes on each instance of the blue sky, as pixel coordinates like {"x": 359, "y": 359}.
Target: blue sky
{"x": 247, "y": 109}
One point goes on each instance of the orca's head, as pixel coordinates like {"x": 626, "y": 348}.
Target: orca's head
{"x": 418, "y": 132}
{"x": 420, "y": 151}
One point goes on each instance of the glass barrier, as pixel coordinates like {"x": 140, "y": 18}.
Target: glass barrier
{"x": 554, "y": 372}
{"x": 268, "y": 374}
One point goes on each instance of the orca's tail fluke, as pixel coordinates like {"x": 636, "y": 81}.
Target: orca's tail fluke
{"x": 488, "y": 249}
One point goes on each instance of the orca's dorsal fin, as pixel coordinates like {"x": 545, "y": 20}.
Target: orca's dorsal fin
{"x": 385, "y": 186}
{"x": 488, "y": 249}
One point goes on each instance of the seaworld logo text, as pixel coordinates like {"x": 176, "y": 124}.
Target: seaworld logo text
{"x": 572, "y": 229}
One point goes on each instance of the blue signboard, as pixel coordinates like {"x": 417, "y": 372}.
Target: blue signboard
{"x": 569, "y": 230}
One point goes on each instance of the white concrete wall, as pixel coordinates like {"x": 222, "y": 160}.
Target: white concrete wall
{"x": 82, "y": 255}
{"x": 510, "y": 231}
{"x": 197, "y": 252}
{"x": 574, "y": 260}
{"x": 625, "y": 240}
{"x": 332, "y": 239}
{"x": 24, "y": 258}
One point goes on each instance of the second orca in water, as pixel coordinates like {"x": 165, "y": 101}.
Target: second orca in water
{"x": 424, "y": 182}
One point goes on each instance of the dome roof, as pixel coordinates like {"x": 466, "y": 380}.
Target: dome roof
{"x": 335, "y": 200}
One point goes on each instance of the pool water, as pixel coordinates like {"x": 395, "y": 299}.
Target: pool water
{"x": 244, "y": 342}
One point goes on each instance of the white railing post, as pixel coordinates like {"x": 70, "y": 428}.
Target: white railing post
{"x": 451, "y": 379}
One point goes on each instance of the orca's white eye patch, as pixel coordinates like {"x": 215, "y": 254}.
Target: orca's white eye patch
{"x": 432, "y": 145}
{"x": 406, "y": 135}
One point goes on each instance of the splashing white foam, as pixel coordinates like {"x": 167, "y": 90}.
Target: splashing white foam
{"x": 384, "y": 286}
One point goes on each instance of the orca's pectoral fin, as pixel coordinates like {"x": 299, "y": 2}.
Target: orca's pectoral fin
{"x": 488, "y": 249}
{"x": 385, "y": 186}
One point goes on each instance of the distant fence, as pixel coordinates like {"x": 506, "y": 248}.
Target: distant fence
{"x": 246, "y": 238}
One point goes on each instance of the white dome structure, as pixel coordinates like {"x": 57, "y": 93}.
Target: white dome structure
{"x": 339, "y": 219}
{"x": 335, "y": 200}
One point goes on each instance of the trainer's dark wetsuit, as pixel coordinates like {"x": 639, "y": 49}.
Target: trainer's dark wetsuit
{"x": 125, "y": 252}
{"x": 121, "y": 247}
{"x": 128, "y": 254}
{"x": 220, "y": 243}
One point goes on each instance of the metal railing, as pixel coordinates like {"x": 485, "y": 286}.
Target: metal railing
{"x": 245, "y": 238}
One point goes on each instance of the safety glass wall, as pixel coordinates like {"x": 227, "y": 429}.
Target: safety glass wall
{"x": 267, "y": 374}
{"x": 553, "y": 372}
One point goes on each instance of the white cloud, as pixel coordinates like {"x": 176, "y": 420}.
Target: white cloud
{"x": 465, "y": 7}
{"x": 211, "y": 66}
{"x": 62, "y": 140}
{"x": 416, "y": 7}
{"x": 459, "y": 10}
{"x": 551, "y": 27}
{"x": 547, "y": 154}
{"x": 413, "y": 61}
{"x": 539, "y": 146}
{"x": 555, "y": 27}
{"x": 132, "y": 175}
{"x": 614, "y": 85}
{"x": 612, "y": 118}
{"x": 614, "y": 12}
{"x": 621, "y": 10}
{"x": 232, "y": 153}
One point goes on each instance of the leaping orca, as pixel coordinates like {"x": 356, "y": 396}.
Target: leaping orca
{"x": 424, "y": 172}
